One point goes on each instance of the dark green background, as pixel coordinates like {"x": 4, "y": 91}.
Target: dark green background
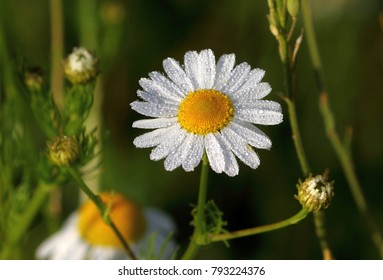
{"x": 350, "y": 38}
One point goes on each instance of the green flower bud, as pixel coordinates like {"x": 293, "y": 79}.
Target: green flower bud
{"x": 293, "y": 7}
{"x": 33, "y": 79}
{"x": 63, "y": 151}
{"x": 315, "y": 193}
{"x": 81, "y": 66}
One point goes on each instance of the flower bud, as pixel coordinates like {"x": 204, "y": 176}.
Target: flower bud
{"x": 33, "y": 79}
{"x": 293, "y": 7}
{"x": 315, "y": 193}
{"x": 63, "y": 151}
{"x": 81, "y": 66}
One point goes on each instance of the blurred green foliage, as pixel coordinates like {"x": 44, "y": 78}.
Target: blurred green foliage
{"x": 132, "y": 37}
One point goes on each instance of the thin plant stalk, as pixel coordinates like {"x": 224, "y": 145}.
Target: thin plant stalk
{"x": 340, "y": 149}
{"x": 199, "y": 221}
{"x": 103, "y": 210}
{"x": 261, "y": 229}
{"x": 57, "y": 50}
{"x": 289, "y": 66}
{"x": 87, "y": 14}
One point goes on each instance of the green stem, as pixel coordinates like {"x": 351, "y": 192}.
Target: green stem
{"x": 261, "y": 229}
{"x": 320, "y": 229}
{"x": 344, "y": 157}
{"x": 297, "y": 137}
{"x": 18, "y": 229}
{"x": 57, "y": 50}
{"x": 199, "y": 220}
{"x": 103, "y": 211}
{"x": 289, "y": 67}
{"x": 341, "y": 150}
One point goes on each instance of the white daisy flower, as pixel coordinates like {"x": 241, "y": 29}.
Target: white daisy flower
{"x": 205, "y": 106}
{"x": 84, "y": 234}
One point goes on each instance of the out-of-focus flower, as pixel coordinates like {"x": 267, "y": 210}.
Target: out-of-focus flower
{"x": 81, "y": 66}
{"x": 63, "y": 151}
{"x": 84, "y": 235}
{"x": 205, "y": 107}
{"x": 315, "y": 193}
{"x": 33, "y": 79}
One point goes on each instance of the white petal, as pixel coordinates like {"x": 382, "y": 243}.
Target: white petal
{"x": 231, "y": 164}
{"x": 161, "y": 225}
{"x": 152, "y": 138}
{"x": 170, "y": 143}
{"x": 78, "y": 251}
{"x": 176, "y": 157}
{"x": 157, "y": 89}
{"x": 193, "y": 69}
{"x": 64, "y": 244}
{"x": 264, "y": 112}
{"x": 155, "y": 98}
{"x": 154, "y": 110}
{"x": 106, "y": 253}
{"x": 159, "y": 221}
{"x": 207, "y": 65}
{"x": 252, "y": 93}
{"x": 251, "y": 134}
{"x": 195, "y": 154}
{"x": 177, "y": 75}
{"x": 240, "y": 148}
{"x": 214, "y": 153}
{"x": 237, "y": 77}
{"x": 170, "y": 87}
{"x": 155, "y": 123}
{"x": 224, "y": 66}
{"x": 255, "y": 76}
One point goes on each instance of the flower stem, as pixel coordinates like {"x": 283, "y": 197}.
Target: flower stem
{"x": 345, "y": 159}
{"x": 18, "y": 230}
{"x": 199, "y": 220}
{"x": 341, "y": 150}
{"x": 261, "y": 229}
{"x": 296, "y": 136}
{"x": 103, "y": 210}
{"x": 289, "y": 72}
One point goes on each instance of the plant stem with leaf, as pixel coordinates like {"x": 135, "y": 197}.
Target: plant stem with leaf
{"x": 261, "y": 229}
{"x": 199, "y": 220}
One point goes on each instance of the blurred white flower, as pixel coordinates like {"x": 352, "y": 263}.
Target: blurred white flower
{"x": 205, "y": 106}
{"x": 84, "y": 235}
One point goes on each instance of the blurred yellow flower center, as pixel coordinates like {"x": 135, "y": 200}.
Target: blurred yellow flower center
{"x": 205, "y": 111}
{"x": 127, "y": 216}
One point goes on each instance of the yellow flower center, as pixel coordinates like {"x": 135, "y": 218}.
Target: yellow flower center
{"x": 127, "y": 216}
{"x": 205, "y": 111}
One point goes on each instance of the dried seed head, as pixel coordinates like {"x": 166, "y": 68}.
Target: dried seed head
{"x": 63, "y": 151}
{"x": 315, "y": 193}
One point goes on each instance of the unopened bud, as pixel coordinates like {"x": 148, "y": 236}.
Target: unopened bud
{"x": 63, "y": 151}
{"x": 293, "y": 7}
{"x": 315, "y": 193}
{"x": 81, "y": 66}
{"x": 33, "y": 79}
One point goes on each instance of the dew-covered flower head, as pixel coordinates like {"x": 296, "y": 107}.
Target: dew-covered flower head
{"x": 205, "y": 106}
{"x": 85, "y": 235}
{"x": 81, "y": 66}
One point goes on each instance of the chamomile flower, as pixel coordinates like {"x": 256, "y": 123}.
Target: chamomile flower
{"x": 84, "y": 234}
{"x": 205, "y": 106}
